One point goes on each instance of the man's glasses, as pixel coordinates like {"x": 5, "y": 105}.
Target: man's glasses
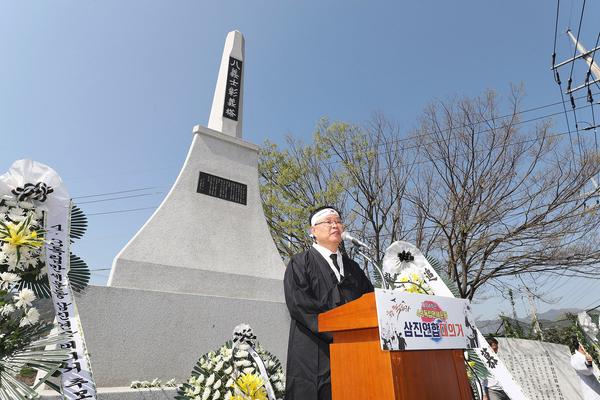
{"x": 331, "y": 223}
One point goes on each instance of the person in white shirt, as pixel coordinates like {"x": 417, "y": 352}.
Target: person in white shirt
{"x": 583, "y": 364}
{"x": 491, "y": 387}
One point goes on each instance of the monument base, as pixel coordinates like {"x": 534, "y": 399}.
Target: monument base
{"x": 137, "y": 335}
{"x": 122, "y": 393}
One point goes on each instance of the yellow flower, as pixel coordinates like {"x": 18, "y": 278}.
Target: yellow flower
{"x": 21, "y": 235}
{"x": 469, "y": 370}
{"x": 413, "y": 283}
{"x": 252, "y": 386}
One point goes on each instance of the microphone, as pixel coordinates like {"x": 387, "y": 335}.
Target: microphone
{"x": 355, "y": 241}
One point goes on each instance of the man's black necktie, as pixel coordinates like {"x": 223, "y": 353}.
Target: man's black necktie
{"x": 333, "y": 257}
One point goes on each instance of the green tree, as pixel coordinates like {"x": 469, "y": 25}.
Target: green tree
{"x": 293, "y": 182}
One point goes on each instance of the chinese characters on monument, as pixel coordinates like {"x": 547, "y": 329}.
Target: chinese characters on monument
{"x": 232, "y": 89}
{"x": 222, "y": 188}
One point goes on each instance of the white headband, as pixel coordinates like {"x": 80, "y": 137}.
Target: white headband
{"x": 326, "y": 211}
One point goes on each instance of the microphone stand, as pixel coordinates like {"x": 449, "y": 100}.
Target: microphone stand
{"x": 369, "y": 259}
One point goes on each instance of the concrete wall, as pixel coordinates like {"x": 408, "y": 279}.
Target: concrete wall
{"x": 136, "y": 334}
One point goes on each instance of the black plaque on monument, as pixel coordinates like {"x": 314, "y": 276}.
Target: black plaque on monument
{"x": 222, "y": 188}
{"x": 232, "y": 89}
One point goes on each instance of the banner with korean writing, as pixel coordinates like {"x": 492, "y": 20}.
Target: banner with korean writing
{"x": 76, "y": 375}
{"x": 409, "y": 321}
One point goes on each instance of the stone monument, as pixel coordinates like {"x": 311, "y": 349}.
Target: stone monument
{"x": 203, "y": 263}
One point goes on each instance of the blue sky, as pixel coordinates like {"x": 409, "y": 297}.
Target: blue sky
{"x": 107, "y": 92}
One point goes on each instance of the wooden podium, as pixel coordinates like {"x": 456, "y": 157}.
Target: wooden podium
{"x": 361, "y": 370}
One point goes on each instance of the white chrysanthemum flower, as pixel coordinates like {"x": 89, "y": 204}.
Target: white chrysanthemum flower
{"x": 8, "y": 249}
{"x": 219, "y": 366}
{"x": 210, "y": 380}
{"x": 24, "y": 298}
{"x": 225, "y": 351}
{"x": 200, "y": 378}
{"x": 243, "y": 363}
{"x": 270, "y": 364}
{"x": 230, "y": 383}
{"x": 279, "y": 386}
{"x": 31, "y": 317}
{"x": 6, "y": 309}
{"x": 217, "y": 384}
{"x": 216, "y": 395}
{"x": 7, "y": 279}
{"x": 228, "y": 370}
{"x": 249, "y": 370}
{"x": 206, "y": 393}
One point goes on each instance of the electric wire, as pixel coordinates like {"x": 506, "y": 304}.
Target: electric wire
{"x": 589, "y": 71}
{"x": 558, "y": 82}
{"x": 483, "y": 121}
{"x": 576, "y": 43}
{"x": 120, "y": 198}
{"x": 417, "y": 145}
{"x": 111, "y": 193}
{"x": 122, "y": 211}
{"x": 570, "y": 81}
{"x": 555, "y": 33}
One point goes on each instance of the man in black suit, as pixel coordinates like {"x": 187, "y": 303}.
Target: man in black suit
{"x": 317, "y": 280}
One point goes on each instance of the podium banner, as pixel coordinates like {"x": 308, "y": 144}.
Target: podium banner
{"x": 410, "y": 321}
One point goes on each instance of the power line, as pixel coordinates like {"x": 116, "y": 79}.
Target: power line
{"x": 120, "y": 197}
{"x": 506, "y": 145}
{"x": 122, "y": 211}
{"x": 576, "y": 42}
{"x": 412, "y": 138}
{"x": 555, "y": 33}
{"x": 111, "y": 193}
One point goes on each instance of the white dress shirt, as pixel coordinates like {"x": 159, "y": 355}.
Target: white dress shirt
{"x": 590, "y": 386}
{"x": 326, "y": 253}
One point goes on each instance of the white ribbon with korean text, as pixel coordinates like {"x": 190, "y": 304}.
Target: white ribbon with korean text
{"x": 494, "y": 365}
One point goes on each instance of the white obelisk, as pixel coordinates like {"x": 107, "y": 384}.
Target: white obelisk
{"x": 209, "y": 235}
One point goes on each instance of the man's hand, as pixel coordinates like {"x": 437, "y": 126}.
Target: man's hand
{"x": 588, "y": 358}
